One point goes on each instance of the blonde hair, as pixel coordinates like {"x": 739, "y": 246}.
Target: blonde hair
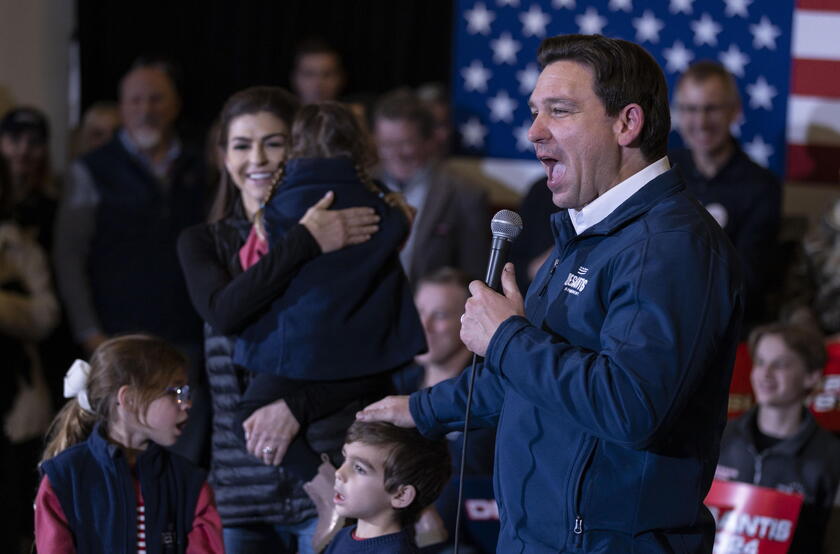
{"x": 146, "y": 364}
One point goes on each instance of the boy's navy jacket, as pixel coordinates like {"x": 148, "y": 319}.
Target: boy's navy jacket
{"x": 348, "y": 313}
{"x": 610, "y": 398}
{"x": 93, "y": 484}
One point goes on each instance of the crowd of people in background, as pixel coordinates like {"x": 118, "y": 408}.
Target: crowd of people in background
{"x": 206, "y": 250}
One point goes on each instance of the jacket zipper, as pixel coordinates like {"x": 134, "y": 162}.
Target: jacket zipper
{"x": 548, "y": 277}
{"x": 562, "y": 254}
{"x": 757, "y": 469}
{"x": 577, "y": 530}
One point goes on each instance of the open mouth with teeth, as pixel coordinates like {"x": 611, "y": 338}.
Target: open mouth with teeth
{"x": 338, "y": 498}
{"x": 259, "y": 176}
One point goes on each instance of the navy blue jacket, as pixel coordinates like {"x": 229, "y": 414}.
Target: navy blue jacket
{"x": 135, "y": 277}
{"x": 610, "y": 398}
{"x": 348, "y": 313}
{"x": 93, "y": 484}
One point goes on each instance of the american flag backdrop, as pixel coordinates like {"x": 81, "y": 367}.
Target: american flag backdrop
{"x": 785, "y": 58}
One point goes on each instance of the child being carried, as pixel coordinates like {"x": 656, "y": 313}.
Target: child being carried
{"x": 347, "y": 318}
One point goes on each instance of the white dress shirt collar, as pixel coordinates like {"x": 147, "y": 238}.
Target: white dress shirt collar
{"x": 597, "y": 210}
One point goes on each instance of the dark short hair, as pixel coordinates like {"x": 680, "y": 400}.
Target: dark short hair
{"x": 413, "y": 460}
{"x": 274, "y": 100}
{"x": 403, "y": 105}
{"x": 316, "y": 45}
{"x": 805, "y": 341}
{"x": 623, "y": 73}
{"x": 163, "y": 64}
{"x": 446, "y": 276}
{"x": 709, "y": 69}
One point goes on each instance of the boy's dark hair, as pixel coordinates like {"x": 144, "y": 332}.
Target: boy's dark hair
{"x": 623, "y": 73}
{"x": 805, "y": 341}
{"x": 413, "y": 460}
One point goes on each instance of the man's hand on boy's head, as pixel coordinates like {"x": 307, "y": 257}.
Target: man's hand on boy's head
{"x": 393, "y": 409}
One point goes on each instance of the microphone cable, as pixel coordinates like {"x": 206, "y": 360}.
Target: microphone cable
{"x": 505, "y": 227}
{"x": 464, "y": 453}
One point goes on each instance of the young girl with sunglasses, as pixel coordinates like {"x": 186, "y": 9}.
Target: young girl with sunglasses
{"x": 108, "y": 484}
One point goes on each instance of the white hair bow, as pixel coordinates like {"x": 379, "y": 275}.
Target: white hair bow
{"x": 75, "y": 383}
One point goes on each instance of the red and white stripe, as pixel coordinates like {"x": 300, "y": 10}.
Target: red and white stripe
{"x": 141, "y": 516}
{"x": 141, "y": 529}
{"x": 813, "y": 120}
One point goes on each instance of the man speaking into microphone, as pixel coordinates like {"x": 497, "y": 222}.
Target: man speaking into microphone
{"x": 609, "y": 384}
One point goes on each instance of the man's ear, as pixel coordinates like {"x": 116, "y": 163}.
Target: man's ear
{"x": 628, "y": 124}
{"x": 404, "y": 496}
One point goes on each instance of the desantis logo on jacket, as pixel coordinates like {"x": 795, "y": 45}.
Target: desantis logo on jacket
{"x": 575, "y": 283}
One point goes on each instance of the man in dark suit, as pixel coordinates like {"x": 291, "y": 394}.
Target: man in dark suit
{"x": 452, "y": 224}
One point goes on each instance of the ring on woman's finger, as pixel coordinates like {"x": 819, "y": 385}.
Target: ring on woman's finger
{"x": 268, "y": 450}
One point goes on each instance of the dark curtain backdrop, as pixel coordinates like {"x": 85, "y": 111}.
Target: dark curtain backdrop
{"x": 224, "y": 46}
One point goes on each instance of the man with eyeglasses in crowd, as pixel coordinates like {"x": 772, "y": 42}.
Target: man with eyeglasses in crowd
{"x": 744, "y": 198}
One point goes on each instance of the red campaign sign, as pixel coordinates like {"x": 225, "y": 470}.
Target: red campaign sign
{"x": 824, "y": 403}
{"x": 751, "y": 519}
{"x": 740, "y": 391}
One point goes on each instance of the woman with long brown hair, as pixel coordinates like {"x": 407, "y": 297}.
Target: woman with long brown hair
{"x": 262, "y": 506}
{"x": 346, "y": 320}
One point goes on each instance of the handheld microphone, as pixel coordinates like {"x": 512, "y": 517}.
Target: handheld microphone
{"x": 505, "y": 226}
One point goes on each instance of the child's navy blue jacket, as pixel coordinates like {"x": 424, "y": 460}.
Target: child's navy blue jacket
{"x": 610, "y": 398}
{"x": 93, "y": 484}
{"x": 348, "y": 313}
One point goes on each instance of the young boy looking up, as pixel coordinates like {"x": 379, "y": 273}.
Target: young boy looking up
{"x": 778, "y": 443}
{"x": 388, "y": 476}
